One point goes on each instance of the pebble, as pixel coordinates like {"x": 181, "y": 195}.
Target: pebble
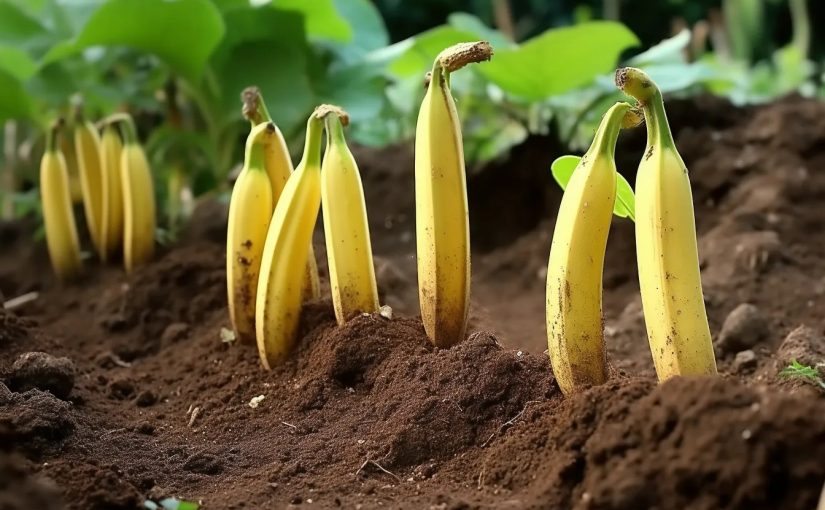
{"x": 40, "y": 370}
{"x": 743, "y": 328}
{"x": 745, "y": 361}
{"x": 146, "y": 398}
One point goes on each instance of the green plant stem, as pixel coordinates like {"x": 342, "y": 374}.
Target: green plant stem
{"x": 312, "y": 143}
{"x": 9, "y": 185}
{"x": 637, "y": 84}
{"x": 801, "y": 22}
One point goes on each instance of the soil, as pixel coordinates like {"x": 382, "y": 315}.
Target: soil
{"x": 118, "y": 389}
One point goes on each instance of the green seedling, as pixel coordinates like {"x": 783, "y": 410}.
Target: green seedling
{"x": 806, "y": 373}
{"x": 625, "y": 205}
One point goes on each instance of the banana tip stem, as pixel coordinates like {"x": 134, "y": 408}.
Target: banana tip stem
{"x": 324, "y": 110}
{"x": 457, "y": 56}
{"x": 636, "y": 83}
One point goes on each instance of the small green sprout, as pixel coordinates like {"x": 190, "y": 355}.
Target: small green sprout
{"x": 807, "y": 373}
{"x": 625, "y": 205}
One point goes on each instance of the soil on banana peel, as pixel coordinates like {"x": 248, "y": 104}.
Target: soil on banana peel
{"x": 152, "y": 403}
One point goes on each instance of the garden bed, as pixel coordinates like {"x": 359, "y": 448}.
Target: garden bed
{"x": 372, "y": 415}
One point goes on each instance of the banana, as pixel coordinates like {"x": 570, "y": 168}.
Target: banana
{"x": 89, "y": 164}
{"x": 58, "y": 215}
{"x": 282, "y": 275}
{"x": 112, "y": 224}
{"x": 279, "y": 168}
{"x": 138, "y": 199}
{"x": 575, "y": 337}
{"x": 68, "y": 149}
{"x": 667, "y": 255}
{"x": 441, "y": 216}
{"x": 349, "y": 251}
{"x": 250, "y": 210}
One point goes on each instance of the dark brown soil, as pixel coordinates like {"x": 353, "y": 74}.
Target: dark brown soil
{"x": 118, "y": 389}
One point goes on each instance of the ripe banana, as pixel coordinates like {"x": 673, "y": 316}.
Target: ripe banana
{"x": 68, "y": 149}
{"x": 349, "y": 251}
{"x": 249, "y": 214}
{"x": 575, "y": 336}
{"x": 669, "y": 278}
{"x": 138, "y": 199}
{"x": 58, "y": 215}
{"x": 441, "y": 216}
{"x": 87, "y": 148}
{"x": 279, "y": 168}
{"x": 282, "y": 275}
{"x": 112, "y": 224}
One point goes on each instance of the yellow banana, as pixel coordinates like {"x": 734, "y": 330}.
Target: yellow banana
{"x": 58, "y": 215}
{"x": 282, "y": 275}
{"x": 575, "y": 336}
{"x": 349, "y": 251}
{"x": 112, "y": 224}
{"x": 138, "y": 199}
{"x": 250, "y": 210}
{"x": 68, "y": 149}
{"x": 441, "y": 216}
{"x": 669, "y": 278}
{"x": 89, "y": 164}
{"x": 279, "y": 168}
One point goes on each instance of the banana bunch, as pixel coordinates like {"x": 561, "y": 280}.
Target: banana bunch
{"x": 282, "y": 277}
{"x": 58, "y": 215}
{"x": 250, "y": 210}
{"x": 575, "y": 336}
{"x": 279, "y": 168}
{"x": 669, "y": 278}
{"x": 349, "y": 251}
{"x": 441, "y": 215}
{"x": 90, "y": 166}
{"x": 111, "y": 225}
{"x": 138, "y": 198}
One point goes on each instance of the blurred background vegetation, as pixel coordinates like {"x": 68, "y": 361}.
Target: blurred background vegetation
{"x": 179, "y": 66}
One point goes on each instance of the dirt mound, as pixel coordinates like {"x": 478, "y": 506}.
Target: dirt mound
{"x": 701, "y": 443}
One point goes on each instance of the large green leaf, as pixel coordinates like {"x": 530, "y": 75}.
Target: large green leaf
{"x": 183, "y": 33}
{"x": 368, "y": 30}
{"x": 418, "y": 56}
{"x": 19, "y": 28}
{"x": 472, "y": 24}
{"x": 17, "y": 62}
{"x": 322, "y": 20}
{"x": 266, "y": 47}
{"x": 625, "y": 206}
{"x": 559, "y": 59}
{"x": 14, "y": 101}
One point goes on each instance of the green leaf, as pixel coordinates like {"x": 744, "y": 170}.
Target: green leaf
{"x": 562, "y": 169}
{"x": 667, "y": 51}
{"x": 17, "y": 62}
{"x": 321, "y": 19}
{"x": 559, "y": 59}
{"x": 182, "y": 33}
{"x": 625, "y": 206}
{"x": 18, "y": 28}
{"x": 14, "y": 101}
{"x": 369, "y": 32}
{"x": 472, "y": 24}
{"x": 266, "y": 47}
{"x": 418, "y": 56}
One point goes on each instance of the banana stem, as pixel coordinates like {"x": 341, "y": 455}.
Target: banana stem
{"x": 312, "y": 144}
{"x": 335, "y": 130}
{"x": 52, "y": 134}
{"x": 254, "y": 107}
{"x": 607, "y": 134}
{"x": 636, "y": 83}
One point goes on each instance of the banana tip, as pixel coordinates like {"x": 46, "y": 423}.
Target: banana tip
{"x": 457, "y": 56}
{"x": 326, "y": 109}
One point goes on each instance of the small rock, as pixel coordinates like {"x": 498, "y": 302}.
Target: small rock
{"x": 744, "y": 362}
{"x": 174, "y": 332}
{"x": 121, "y": 389}
{"x": 804, "y": 345}
{"x": 146, "y": 428}
{"x": 146, "y": 398}
{"x": 743, "y": 328}
{"x": 44, "y": 372}
{"x": 204, "y": 464}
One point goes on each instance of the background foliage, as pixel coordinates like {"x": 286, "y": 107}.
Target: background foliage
{"x": 179, "y": 66}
